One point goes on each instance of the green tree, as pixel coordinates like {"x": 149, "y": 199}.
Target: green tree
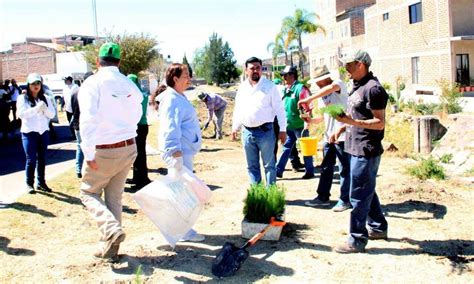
{"x": 138, "y": 51}
{"x": 215, "y": 61}
{"x": 302, "y": 22}
{"x": 185, "y": 61}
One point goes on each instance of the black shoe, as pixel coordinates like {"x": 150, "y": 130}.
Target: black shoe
{"x": 279, "y": 175}
{"x": 308, "y": 176}
{"x": 296, "y": 166}
{"x": 43, "y": 187}
{"x": 79, "y": 175}
{"x": 130, "y": 181}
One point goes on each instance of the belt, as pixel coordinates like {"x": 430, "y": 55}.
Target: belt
{"x": 120, "y": 144}
{"x": 263, "y": 127}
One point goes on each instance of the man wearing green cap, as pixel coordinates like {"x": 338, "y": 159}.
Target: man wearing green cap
{"x": 140, "y": 168}
{"x": 364, "y": 124}
{"x": 110, "y": 109}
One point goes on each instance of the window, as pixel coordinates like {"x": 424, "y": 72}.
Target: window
{"x": 416, "y": 14}
{"x": 385, "y": 16}
{"x": 462, "y": 69}
{"x": 321, "y": 61}
{"x": 415, "y": 69}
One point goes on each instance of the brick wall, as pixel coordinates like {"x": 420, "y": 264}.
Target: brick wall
{"x": 343, "y": 5}
{"x": 25, "y": 59}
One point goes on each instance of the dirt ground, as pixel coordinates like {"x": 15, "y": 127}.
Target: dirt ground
{"x": 51, "y": 238}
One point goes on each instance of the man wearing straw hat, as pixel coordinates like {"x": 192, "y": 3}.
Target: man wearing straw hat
{"x": 331, "y": 93}
{"x": 365, "y": 123}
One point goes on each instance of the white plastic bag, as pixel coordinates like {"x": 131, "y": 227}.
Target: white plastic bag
{"x": 172, "y": 204}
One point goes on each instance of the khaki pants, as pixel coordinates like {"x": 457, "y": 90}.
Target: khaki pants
{"x": 114, "y": 165}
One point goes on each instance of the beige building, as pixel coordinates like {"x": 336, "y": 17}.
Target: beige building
{"x": 420, "y": 42}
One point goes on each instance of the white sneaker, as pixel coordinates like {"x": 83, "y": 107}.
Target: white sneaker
{"x": 192, "y": 236}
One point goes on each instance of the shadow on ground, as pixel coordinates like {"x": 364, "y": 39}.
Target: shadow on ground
{"x": 195, "y": 259}
{"x": 4, "y": 242}
{"x": 437, "y": 210}
{"x": 459, "y": 252}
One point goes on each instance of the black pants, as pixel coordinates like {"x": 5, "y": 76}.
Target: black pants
{"x": 140, "y": 169}
{"x": 69, "y": 118}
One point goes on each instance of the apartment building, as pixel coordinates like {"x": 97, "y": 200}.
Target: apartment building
{"x": 418, "y": 42}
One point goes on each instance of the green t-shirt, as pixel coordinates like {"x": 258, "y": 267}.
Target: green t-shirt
{"x": 290, "y": 100}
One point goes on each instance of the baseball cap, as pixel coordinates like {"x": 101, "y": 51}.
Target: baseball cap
{"x": 289, "y": 70}
{"x": 68, "y": 78}
{"x": 359, "y": 55}
{"x": 110, "y": 51}
{"x": 133, "y": 77}
{"x": 202, "y": 96}
{"x": 33, "y": 77}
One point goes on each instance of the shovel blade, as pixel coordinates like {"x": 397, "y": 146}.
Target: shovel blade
{"x": 228, "y": 260}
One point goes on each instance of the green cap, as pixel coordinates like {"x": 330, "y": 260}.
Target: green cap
{"x": 33, "y": 77}
{"x": 277, "y": 81}
{"x": 133, "y": 77}
{"x": 110, "y": 51}
{"x": 359, "y": 55}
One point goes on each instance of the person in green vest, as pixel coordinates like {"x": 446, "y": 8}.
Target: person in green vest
{"x": 293, "y": 92}
{"x": 140, "y": 169}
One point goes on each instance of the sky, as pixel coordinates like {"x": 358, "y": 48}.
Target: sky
{"x": 179, "y": 26}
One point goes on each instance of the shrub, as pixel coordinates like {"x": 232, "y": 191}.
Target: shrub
{"x": 446, "y": 158}
{"x": 426, "y": 169}
{"x": 262, "y": 203}
{"x": 450, "y": 97}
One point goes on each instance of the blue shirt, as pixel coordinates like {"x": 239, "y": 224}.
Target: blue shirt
{"x": 179, "y": 125}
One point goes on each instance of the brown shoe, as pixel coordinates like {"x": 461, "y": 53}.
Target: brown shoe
{"x": 374, "y": 235}
{"x": 113, "y": 244}
{"x": 346, "y": 248}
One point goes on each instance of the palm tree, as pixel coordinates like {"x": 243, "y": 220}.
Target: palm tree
{"x": 297, "y": 25}
{"x": 278, "y": 47}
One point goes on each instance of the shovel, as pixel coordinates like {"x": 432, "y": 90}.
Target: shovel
{"x": 230, "y": 258}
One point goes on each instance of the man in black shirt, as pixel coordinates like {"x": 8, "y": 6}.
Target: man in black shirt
{"x": 364, "y": 124}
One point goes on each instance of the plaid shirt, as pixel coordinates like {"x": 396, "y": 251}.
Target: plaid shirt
{"x": 214, "y": 102}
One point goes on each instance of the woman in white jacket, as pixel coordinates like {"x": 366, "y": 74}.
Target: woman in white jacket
{"x": 35, "y": 110}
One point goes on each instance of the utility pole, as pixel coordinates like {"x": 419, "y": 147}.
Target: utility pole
{"x": 94, "y": 17}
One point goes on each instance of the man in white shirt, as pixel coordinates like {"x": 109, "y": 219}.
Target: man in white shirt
{"x": 110, "y": 110}
{"x": 69, "y": 89}
{"x": 331, "y": 92}
{"x": 256, "y": 104}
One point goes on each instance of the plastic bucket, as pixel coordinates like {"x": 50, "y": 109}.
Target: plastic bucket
{"x": 308, "y": 146}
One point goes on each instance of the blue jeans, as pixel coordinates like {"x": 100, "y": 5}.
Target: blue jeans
{"x": 364, "y": 200}
{"x": 260, "y": 141}
{"x": 291, "y": 138}
{"x": 79, "y": 153}
{"x": 35, "y": 146}
{"x": 330, "y": 152}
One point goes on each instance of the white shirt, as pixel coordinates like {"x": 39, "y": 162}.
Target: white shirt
{"x": 68, "y": 91}
{"x": 334, "y": 98}
{"x": 34, "y": 119}
{"x": 258, "y": 104}
{"x": 110, "y": 109}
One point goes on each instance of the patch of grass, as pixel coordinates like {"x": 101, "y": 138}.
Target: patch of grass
{"x": 138, "y": 275}
{"x": 262, "y": 203}
{"x": 426, "y": 169}
{"x": 469, "y": 172}
{"x": 400, "y": 133}
{"x": 446, "y": 158}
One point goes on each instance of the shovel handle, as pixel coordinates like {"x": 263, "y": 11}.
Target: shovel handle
{"x": 258, "y": 236}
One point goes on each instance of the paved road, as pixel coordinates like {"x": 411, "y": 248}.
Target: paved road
{"x": 60, "y": 157}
